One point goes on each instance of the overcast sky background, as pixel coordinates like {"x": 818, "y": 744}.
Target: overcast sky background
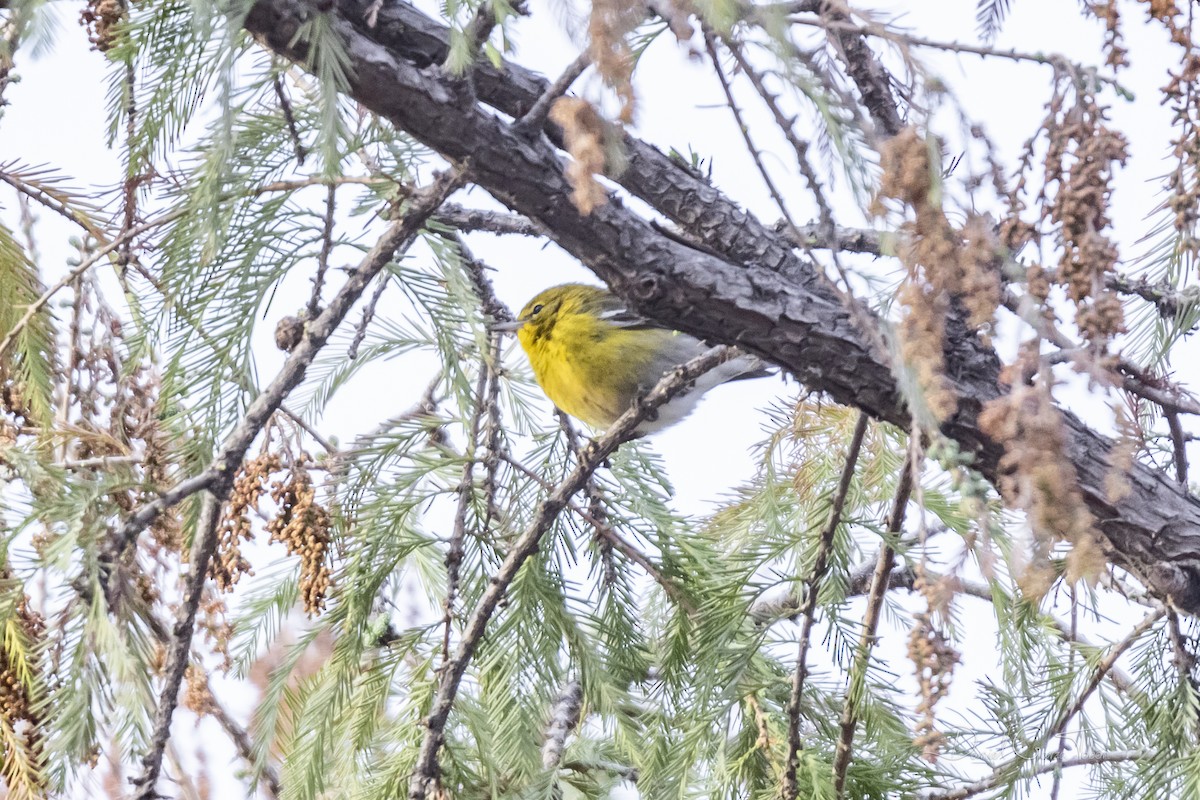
{"x": 56, "y": 117}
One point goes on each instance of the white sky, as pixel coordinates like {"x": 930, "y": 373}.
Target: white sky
{"x": 56, "y": 117}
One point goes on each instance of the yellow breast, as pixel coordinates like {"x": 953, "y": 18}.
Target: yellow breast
{"x": 588, "y": 368}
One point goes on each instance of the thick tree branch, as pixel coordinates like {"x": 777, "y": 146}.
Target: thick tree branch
{"x": 760, "y": 294}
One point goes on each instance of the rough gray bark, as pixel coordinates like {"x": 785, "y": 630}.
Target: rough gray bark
{"x": 741, "y": 284}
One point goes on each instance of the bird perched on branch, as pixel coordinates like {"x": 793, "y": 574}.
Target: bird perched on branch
{"x": 593, "y": 357}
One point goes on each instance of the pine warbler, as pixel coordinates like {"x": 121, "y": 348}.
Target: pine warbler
{"x": 593, "y": 357}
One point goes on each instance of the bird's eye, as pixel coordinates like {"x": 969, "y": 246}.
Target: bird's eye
{"x": 536, "y": 309}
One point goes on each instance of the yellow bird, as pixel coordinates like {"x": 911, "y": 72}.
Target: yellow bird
{"x": 593, "y": 357}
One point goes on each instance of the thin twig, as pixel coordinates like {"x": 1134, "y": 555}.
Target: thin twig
{"x": 1089, "y": 760}
{"x": 799, "y": 146}
{"x": 1012, "y": 767}
{"x": 203, "y": 547}
{"x": 314, "y": 301}
{"x": 842, "y": 26}
{"x": 466, "y": 483}
{"x": 236, "y": 733}
{"x": 1128, "y": 375}
{"x": 535, "y": 117}
{"x": 1183, "y": 657}
{"x": 289, "y": 117}
{"x": 360, "y": 332}
{"x": 808, "y": 610}
{"x": 1056, "y": 781}
{"x": 744, "y": 129}
{"x": 1178, "y": 445}
{"x": 858, "y": 671}
{"x": 132, "y": 178}
{"x": 493, "y": 311}
{"x": 245, "y": 747}
{"x": 468, "y": 220}
{"x": 299, "y": 422}
{"x": 426, "y": 770}
{"x": 606, "y": 532}
{"x": 48, "y": 200}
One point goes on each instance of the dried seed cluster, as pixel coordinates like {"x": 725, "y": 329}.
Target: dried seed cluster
{"x": 101, "y": 18}
{"x": 18, "y": 706}
{"x": 1180, "y": 95}
{"x": 15, "y": 703}
{"x": 1082, "y": 153}
{"x": 1038, "y": 478}
{"x": 1080, "y": 159}
{"x": 609, "y": 26}
{"x": 136, "y": 421}
{"x": 1113, "y": 41}
{"x": 303, "y": 525}
{"x": 300, "y": 522}
{"x": 198, "y": 697}
{"x": 944, "y": 264}
{"x": 213, "y": 622}
{"x": 248, "y": 487}
{"x": 934, "y": 659}
{"x": 584, "y": 131}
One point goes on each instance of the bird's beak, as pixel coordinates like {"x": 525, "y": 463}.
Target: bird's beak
{"x": 508, "y": 327}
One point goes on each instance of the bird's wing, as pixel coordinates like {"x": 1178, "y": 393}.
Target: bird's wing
{"x": 617, "y": 314}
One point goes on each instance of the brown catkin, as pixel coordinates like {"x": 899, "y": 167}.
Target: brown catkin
{"x": 304, "y": 527}
{"x": 248, "y": 488}
{"x": 1036, "y": 477}
{"x": 934, "y": 660}
{"x": 945, "y": 264}
{"x": 585, "y": 132}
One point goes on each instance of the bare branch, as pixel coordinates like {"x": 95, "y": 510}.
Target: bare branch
{"x": 203, "y": 546}
{"x": 469, "y": 220}
{"x": 466, "y": 485}
{"x": 744, "y": 129}
{"x": 314, "y": 301}
{"x": 869, "y": 75}
{"x": 289, "y": 116}
{"x": 563, "y": 719}
{"x": 236, "y": 733}
{"x": 360, "y": 332}
{"x": 787, "y": 126}
{"x": 1091, "y": 759}
{"x": 1178, "y": 446}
